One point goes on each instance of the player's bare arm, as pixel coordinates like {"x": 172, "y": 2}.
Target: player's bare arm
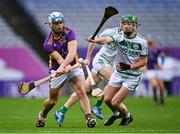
{"x": 101, "y": 40}
{"x": 55, "y": 55}
{"x": 140, "y": 63}
{"x": 72, "y": 50}
{"x": 89, "y": 53}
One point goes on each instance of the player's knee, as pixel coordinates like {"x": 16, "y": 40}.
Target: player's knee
{"x": 154, "y": 84}
{"x": 81, "y": 93}
{"x": 115, "y": 103}
{"x": 107, "y": 100}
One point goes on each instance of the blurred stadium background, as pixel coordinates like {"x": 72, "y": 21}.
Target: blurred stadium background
{"x": 22, "y": 31}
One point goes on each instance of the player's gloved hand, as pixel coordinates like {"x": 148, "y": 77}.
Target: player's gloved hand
{"x": 123, "y": 66}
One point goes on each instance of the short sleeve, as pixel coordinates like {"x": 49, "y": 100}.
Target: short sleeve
{"x": 48, "y": 48}
{"x": 144, "y": 50}
{"x": 105, "y": 33}
{"x": 118, "y": 37}
{"x": 71, "y": 36}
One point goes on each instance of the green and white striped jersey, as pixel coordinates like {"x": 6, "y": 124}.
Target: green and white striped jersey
{"x": 129, "y": 51}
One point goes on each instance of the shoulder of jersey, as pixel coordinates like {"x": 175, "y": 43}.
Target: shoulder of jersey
{"x": 141, "y": 37}
{"x": 67, "y": 30}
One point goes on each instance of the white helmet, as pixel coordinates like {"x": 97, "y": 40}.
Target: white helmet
{"x": 55, "y": 16}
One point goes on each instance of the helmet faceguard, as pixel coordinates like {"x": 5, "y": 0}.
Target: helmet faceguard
{"x": 55, "y": 17}
{"x": 129, "y": 19}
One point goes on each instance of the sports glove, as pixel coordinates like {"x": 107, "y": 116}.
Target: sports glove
{"x": 123, "y": 66}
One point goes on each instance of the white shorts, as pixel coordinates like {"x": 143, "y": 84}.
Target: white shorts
{"x": 58, "y": 82}
{"x": 128, "y": 81}
{"x": 151, "y": 74}
{"x": 100, "y": 62}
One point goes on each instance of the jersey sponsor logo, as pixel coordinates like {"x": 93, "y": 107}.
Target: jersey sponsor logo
{"x": 130, "y": 52}
{"x": 132, "y": 45}
{"x": 64, "y": 51}
{"x": 136, "y": 46}
{"x": 131, "y": 49}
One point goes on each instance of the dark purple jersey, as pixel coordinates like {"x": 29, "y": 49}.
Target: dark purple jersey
{"x": 153, "y": 56}
{"x": 61, "y": 46}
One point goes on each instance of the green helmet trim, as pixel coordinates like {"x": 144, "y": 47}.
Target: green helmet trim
{"x": 129, "y": 18}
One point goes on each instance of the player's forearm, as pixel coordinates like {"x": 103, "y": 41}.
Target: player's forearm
{"x": 69, "y": 58}
{"x": 60, "y": 60}
{"x": 55, "y": 55}
{"x": 72, "y": 50}
{"x": 139, "y": 63}
{"x": 103, "y": 40}
{"x": 90, "y": 50}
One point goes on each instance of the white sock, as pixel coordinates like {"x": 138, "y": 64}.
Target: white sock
{"x": 116, "y": 113}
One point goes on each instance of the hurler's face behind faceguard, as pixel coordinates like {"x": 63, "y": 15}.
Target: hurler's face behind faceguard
{"x": 128, "y": 24}
{"x": 56, "y": 22}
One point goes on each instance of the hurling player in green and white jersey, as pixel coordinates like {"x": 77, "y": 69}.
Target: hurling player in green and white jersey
{"x": 131, "y": 56}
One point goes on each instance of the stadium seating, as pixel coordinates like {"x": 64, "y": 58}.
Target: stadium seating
{"x": 7, "y": 36}
{"x": 14, "y": 52}
{"x": 159, "y": 18}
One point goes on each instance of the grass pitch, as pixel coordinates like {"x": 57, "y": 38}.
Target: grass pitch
{"x": 19, "y": 116}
